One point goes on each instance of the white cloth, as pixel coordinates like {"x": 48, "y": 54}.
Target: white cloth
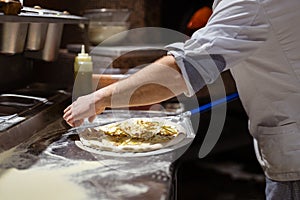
{"x": 259, "y": 41}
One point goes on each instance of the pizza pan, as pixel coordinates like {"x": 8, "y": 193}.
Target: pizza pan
{"x": 181, "y": 143}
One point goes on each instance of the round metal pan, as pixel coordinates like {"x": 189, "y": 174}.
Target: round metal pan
{"x": 178, "y": 146}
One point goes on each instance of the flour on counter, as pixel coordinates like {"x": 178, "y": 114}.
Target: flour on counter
{"x": 16, "y": 158}
{"x": 131, "y": 190}
{"x": 37, "y": 184}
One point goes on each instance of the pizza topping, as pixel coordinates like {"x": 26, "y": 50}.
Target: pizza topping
{"x": 133, "y": 135}
{"x": 135, "y": 132}
{"x": 168, "y": 131}
{"x": 140, "y": 128}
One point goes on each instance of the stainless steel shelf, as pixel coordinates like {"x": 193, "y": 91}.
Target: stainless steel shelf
{"x": 29, "y": 18}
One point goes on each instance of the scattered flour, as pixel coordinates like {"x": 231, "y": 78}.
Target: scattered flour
{"x": 43, "y": 183}
{"x": 131, "y": 190}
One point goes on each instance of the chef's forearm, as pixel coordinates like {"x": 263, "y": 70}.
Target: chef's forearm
{"x": 157, "y": 82}
{"x": 144, "y": 95}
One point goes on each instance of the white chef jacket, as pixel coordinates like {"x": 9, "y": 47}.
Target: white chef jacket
{"x": 259, "y": 41}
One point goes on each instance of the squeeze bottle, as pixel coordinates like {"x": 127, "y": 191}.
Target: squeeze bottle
{"x": 83, "y": 70}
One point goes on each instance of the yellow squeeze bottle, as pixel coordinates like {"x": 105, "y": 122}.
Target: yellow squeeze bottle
{"x": 83, "y": 70}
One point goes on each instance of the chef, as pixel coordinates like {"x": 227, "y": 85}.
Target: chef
{"x": 259, "y": 42}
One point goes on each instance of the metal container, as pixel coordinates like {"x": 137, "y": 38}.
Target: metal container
{"x": 42, "y": 28}
{"x": 36, "y": 36}
{"x": 13, "y": 37}
{"x": 52, "y": 42}
{"x": 107, "y": 14}
{"x": 105, "y": 23}
{"x": 51, "y": 46}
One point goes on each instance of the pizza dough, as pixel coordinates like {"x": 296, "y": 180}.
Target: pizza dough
{"x": 133, "y": 135}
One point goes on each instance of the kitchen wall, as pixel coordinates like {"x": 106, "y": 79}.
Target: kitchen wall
{"x": 13, "y": 72}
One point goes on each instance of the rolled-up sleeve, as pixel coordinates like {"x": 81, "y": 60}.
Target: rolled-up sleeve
{"x": 235, "y": 30}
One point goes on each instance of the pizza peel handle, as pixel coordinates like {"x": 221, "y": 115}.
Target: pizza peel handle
{"x": 203, "y": 108}
{"x": 217, "y": 102}
{"x": 212, "y": 135}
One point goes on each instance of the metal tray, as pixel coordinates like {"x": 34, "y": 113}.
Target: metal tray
{"x": 177, "y": 149}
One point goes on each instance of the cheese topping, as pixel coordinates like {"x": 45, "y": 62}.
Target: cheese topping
{"x": 137, "y": 131}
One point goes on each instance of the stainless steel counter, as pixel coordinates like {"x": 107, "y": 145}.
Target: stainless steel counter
{"x": 50, "y": 166}
{"x": 26, "y": 111}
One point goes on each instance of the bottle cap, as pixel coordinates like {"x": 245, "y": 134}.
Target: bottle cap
{"x": 82, "y": 53}
{"x": 82, "y": 56}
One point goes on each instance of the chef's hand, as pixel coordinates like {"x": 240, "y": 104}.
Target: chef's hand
{"x": 87, "y": 106}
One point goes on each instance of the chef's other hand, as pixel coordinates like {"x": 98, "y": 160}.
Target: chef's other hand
{"x": 83, "y": 107}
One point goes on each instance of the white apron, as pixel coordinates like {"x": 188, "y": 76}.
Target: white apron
{"x": 260, "y": 43}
